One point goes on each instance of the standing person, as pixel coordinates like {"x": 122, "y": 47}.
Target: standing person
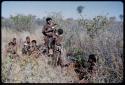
{"x": 48, "y": 32}
{"x": 58, "y": 38}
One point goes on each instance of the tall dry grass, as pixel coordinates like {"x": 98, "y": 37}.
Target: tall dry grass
{"x": 27, "y": 68}
{"x": 107, "y": 46}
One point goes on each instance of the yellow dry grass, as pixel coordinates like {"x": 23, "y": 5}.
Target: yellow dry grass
{"x": 28, "y": 68}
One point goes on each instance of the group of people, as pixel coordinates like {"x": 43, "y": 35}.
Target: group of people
{"x": 52, "y": 37}
{"x": 29, "y": 47}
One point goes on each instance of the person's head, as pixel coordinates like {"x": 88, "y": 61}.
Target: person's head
{"x": 14, "y": 40}
{"x": 33, "y": 42}
{"x": 28, "y": 39}
{"x": 48, "y": 20}
{"x": 60, "y": 31}
{"x": 92, "y": 58}
{"x": 11, "y": 44}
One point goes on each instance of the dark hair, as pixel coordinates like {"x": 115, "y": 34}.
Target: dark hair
{"x": 10, "y": 43}
{"x": 27, "y": 37}
{"x": 48, "y": 18}
{"x": 33, "y": 41}
{"x": 60, "y": 31}
{"x": 14, "y": 38}
{"x": 92, "y": 57}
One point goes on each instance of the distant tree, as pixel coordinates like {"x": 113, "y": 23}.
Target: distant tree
{"x": 93, "y": 26}
{"x": 39, "y": 21}
{"x": 112, "y": 19}
{"x": 80, "y": 10}
{"x": 22, "y": 22}
{"x": 2, "y": 17}
{"x": 6, "y": 23}
{"x": 121, "y": 17}
{"x": 69, "y": 19}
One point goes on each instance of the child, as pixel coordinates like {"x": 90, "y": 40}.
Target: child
{"x": 58, "y": 39}
{"x": 26, "y": 48}
{"x": 34, "y": 46}
{"x": 14, "y": 41}
{"x": 34, "y": 49}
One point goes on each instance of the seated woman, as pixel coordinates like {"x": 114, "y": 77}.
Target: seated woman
{"x": 11, "y": 49}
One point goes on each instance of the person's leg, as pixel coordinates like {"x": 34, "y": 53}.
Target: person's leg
{"x": 50, "y": 45}
{"x": 45, "y": 47}
{"x": 45, "y": 40}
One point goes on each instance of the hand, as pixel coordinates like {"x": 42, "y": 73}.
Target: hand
{"x": 54, "y": 25}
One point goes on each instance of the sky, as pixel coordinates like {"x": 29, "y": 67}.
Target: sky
{"x": 67, "y": 8}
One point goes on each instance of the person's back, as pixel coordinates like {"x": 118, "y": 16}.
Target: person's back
{"x": 59, "y": 37}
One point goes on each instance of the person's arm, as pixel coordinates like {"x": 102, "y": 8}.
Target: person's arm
{"x": 46, "y": 30}
{"x": 31, "y": 48}
{"x": 15, "y": 48}
{"x": 14, "y": 51}
{"x": 54, "y": 27}
{"x": 24, "y": 44}
{"x": 7, "y": 49}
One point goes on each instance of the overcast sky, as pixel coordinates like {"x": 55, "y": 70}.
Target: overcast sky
{"x": 67, "y": 8}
